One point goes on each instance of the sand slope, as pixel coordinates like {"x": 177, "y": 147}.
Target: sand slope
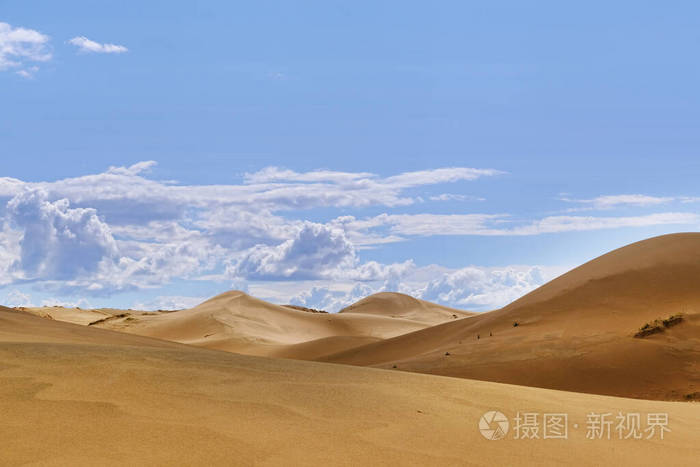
{"x": 75, "y": 395}
{"x": 575, "y": 333}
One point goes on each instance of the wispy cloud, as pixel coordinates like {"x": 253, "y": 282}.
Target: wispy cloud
{"x": 615, "y": 201}
{"x": 19, "y": 47}
{"x": 427, "y": 225}
{"x": 89, "y": 46}
{"x": 455, "y": 197}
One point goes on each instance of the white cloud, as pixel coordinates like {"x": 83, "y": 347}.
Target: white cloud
{"x": 328, "y": 299}
{"x": 614, "y": 201}
{"x": 483, "y": 288}
{"x": 86, "y": 45}
{"x": 558, "y": 224}
{"x": 15, "y": 298}
{"x": 315, "y": 251}
{"x": 169, "y": 302}
{"x": 435, "y": 176}
{"x": 277, "y": 174}
{"x": 454, "y": 197}
{"x": 135, "y": 169}
{"x": 81, "y": 303}
{"x": 9, "y": 252}
{"x": 20, "y": 46}
{"x": 28, "y": 72}
{"x": 471, "y": 288}
{"x": 58, "y": 242}
{"x": 426, "y": 225}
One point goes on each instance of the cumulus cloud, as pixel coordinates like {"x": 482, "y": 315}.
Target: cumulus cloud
{"x": 315, "y": 251}
{"x": 483, "y": 288}
{"x": 86, "y": 45}
{"x": 9, "y": 252}
{"x": 328, "y": 299}
{"x": 19, "y": 47}
{"x": 471, "y": 288}
{"x": 58, "y": 242}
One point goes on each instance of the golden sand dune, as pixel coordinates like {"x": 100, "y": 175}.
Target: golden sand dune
{"x": 76, "y": 395}
{"x": 576, "y": 332}
{"x": 70, "y": 315}
{"x": 237, "y": 322}
{"x": 397, "y": 305}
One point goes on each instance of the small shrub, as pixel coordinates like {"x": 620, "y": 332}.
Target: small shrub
{"x": 672, "y": 320}
{"x": 658, "y": 325}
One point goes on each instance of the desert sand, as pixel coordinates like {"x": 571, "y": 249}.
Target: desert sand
{"x": 116, "y": 387}
{"x": 77, "y": 395}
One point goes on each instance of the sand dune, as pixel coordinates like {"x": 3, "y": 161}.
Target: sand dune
{"x": 576, "y": 332}
{"x": 76, "y": 395}
{"x": 397, "y": 305}
{"x": 237, "y": 322}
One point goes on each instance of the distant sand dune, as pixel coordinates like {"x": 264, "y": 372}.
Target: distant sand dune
{"x": 397, "y": 305}
{"x": 237, "y": 322}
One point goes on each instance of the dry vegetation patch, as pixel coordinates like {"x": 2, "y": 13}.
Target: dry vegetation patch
{"x": 658, "y": 325}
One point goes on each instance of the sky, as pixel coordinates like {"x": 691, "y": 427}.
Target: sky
{"x": 155, "y": 154}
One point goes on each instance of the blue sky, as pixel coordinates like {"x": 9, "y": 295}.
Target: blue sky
{"x": 314, "y": 152}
